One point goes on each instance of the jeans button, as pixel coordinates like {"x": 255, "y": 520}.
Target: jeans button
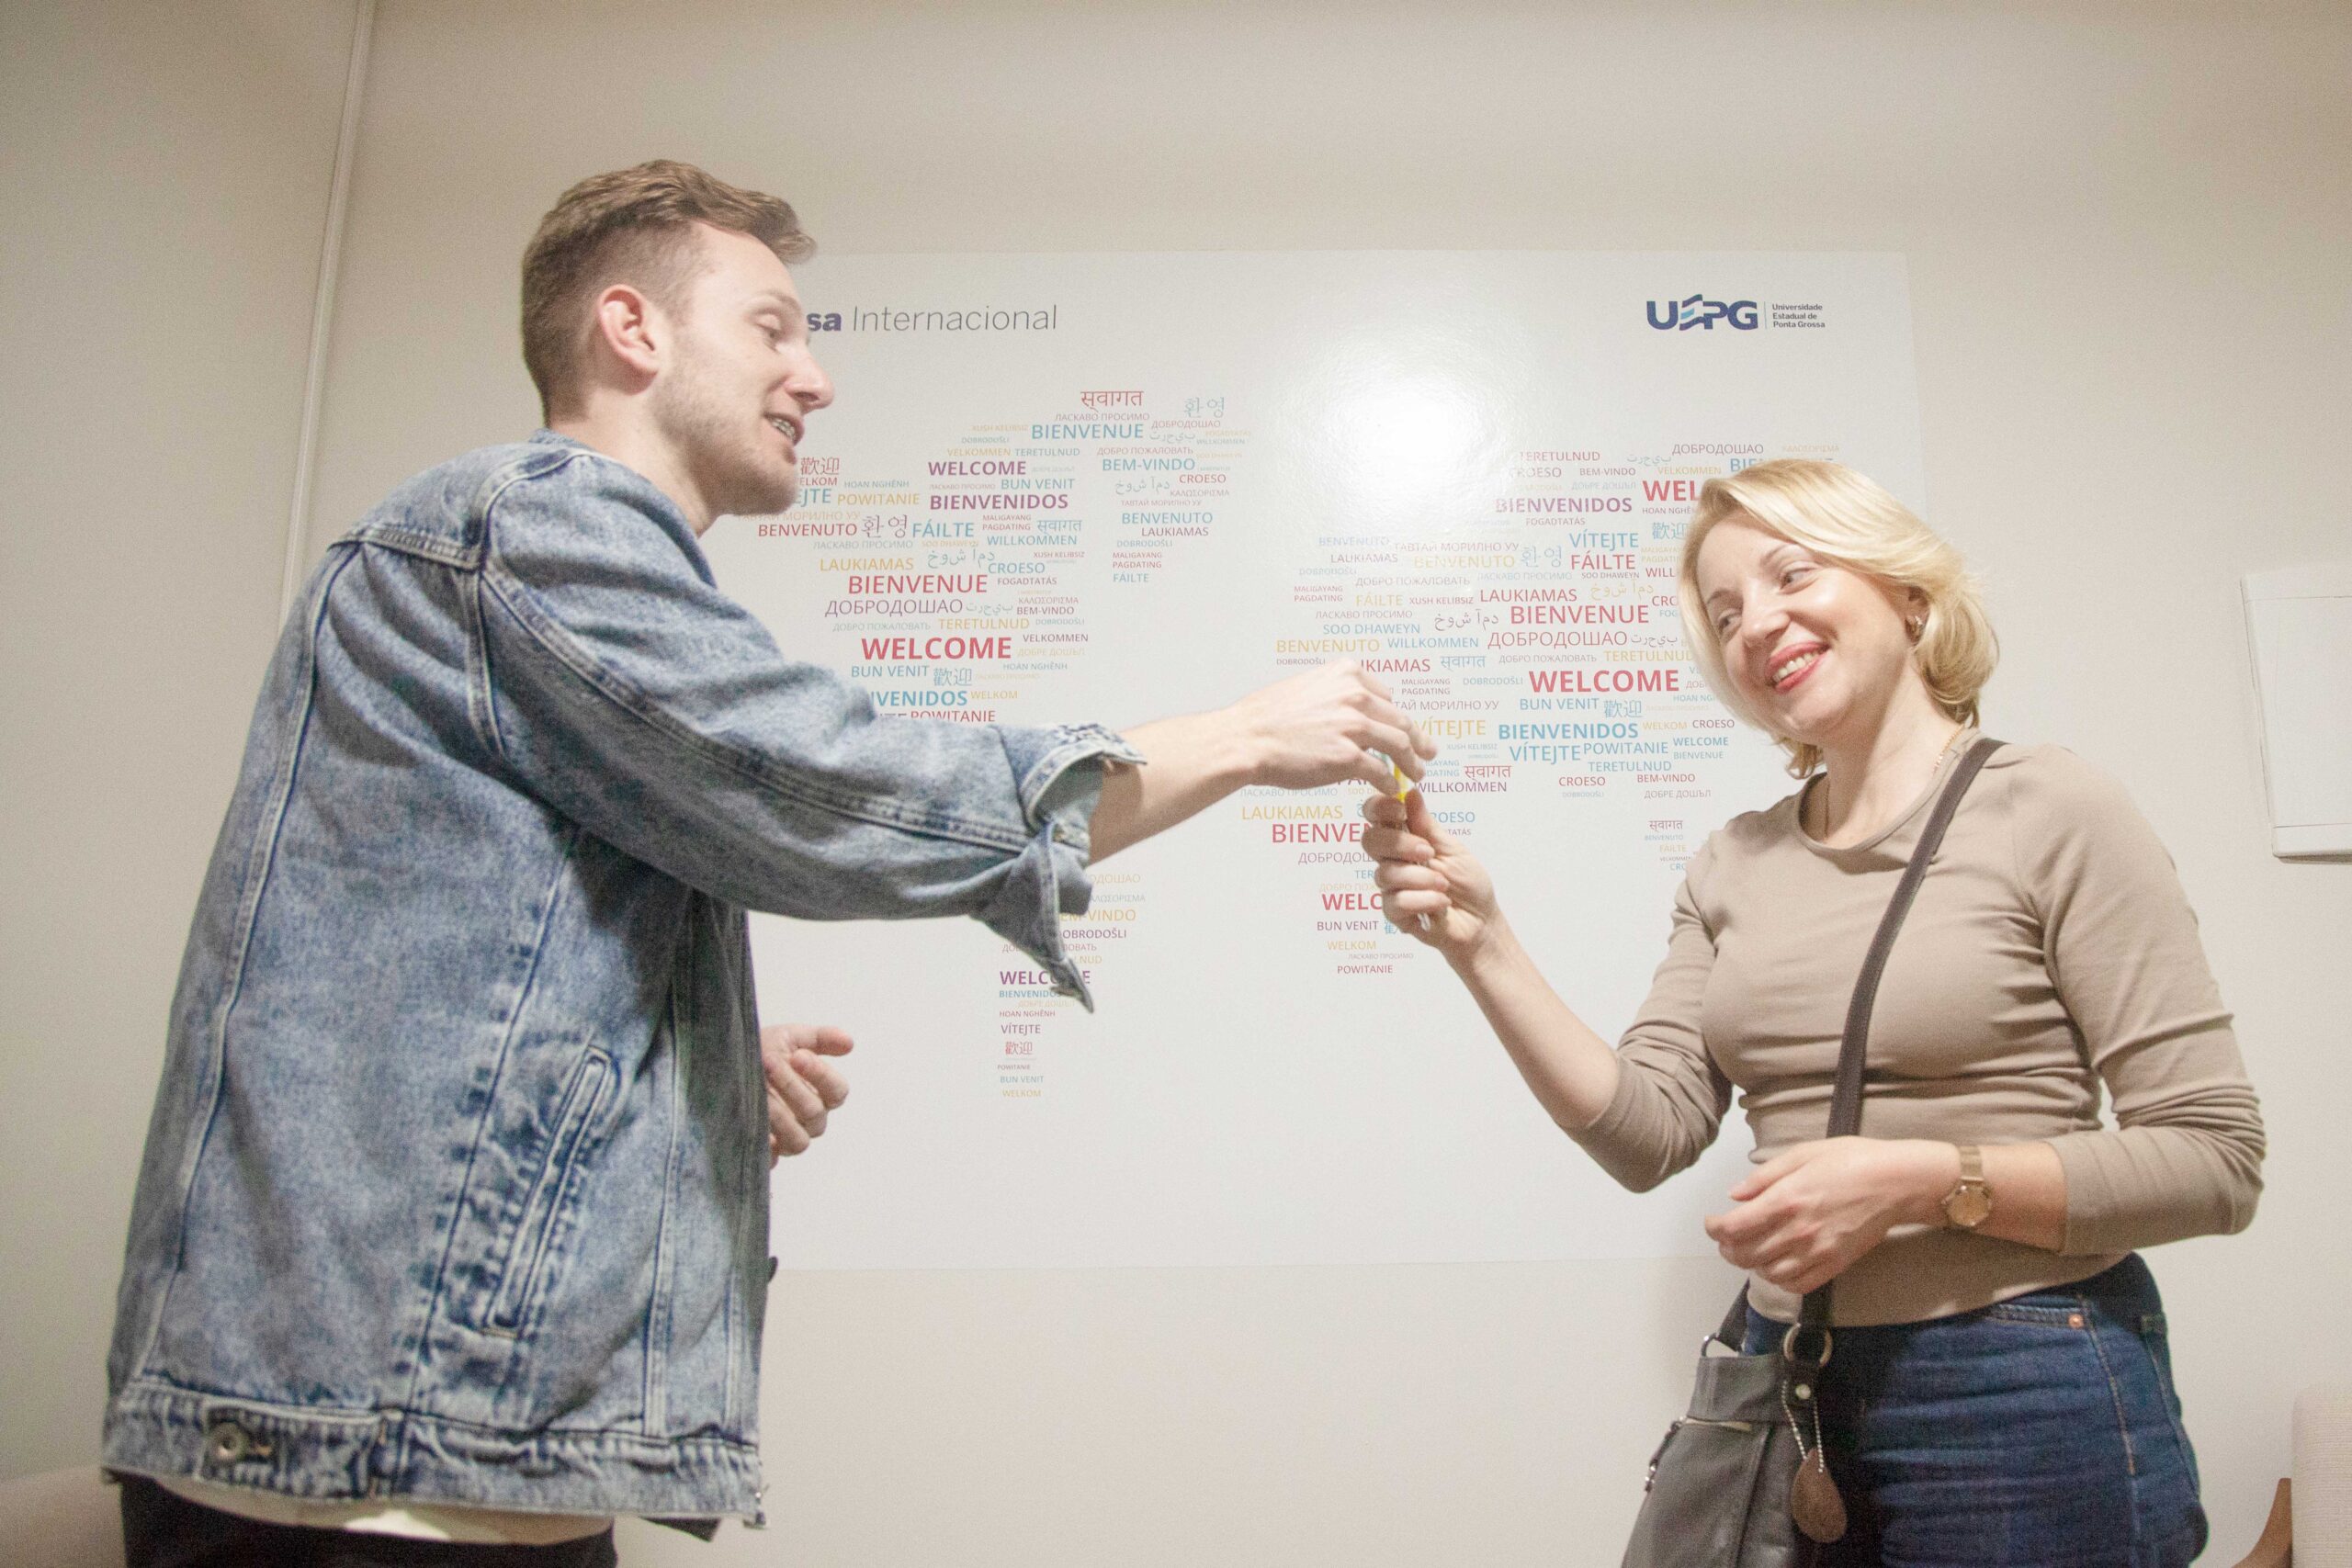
{"x": 226, "y": 1442}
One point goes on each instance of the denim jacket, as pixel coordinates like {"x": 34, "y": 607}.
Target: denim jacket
{"x": 456, "y": 1186}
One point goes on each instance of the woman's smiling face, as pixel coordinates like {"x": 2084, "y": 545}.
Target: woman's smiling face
{"x": 1813, "y": 648}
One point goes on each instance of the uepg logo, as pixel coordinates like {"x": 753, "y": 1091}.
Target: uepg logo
{"x": 1681, "y": 315}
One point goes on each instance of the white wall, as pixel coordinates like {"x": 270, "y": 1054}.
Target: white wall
{"x": 2126, "y": 227}
{"x": 164, "y": 174}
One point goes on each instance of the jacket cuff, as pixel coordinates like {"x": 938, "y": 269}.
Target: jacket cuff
{"x": 1059, "y": 773}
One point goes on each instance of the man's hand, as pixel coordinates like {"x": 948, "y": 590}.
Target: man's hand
{"x": 1326, "y": 727}
{"x": 1803, "y": 1217}
{"x": 803, "y": 1086}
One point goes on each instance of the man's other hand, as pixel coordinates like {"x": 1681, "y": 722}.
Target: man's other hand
{"x": 803, "y": 1086}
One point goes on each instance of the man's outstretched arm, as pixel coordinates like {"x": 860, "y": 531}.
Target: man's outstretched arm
{"x": 1329, "y": 726}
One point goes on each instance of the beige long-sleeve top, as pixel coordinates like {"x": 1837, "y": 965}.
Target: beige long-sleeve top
{"x": 2051, "y": 954}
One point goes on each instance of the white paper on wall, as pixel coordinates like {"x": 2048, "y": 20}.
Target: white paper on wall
{"x": 1118, "y": 487}
{"x": 2299, "y": 621}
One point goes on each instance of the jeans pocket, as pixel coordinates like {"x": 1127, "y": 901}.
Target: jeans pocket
{"x": 2155, "y": 1343}
{"x": 2036, "y": 1311}
{"x": 2170, "y": 1526}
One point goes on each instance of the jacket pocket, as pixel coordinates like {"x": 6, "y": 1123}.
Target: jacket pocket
{"x": 525, "y": 1257}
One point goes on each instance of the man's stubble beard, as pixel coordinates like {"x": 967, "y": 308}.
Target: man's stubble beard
{"x": 734, "y": 481}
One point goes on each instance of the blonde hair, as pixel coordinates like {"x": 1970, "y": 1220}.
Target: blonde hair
{"x": 1846, "y": 521}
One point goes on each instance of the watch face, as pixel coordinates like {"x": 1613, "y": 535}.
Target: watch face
{"x": 1969, "y": 1207}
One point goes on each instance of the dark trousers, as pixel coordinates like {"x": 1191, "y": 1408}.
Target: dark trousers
{"x": 163, "y": 1529}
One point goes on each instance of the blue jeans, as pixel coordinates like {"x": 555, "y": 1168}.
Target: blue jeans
{"x": 2043, "y": 1431}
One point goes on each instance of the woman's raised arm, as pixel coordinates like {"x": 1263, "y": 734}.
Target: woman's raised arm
{"x": 1433, "y": 889}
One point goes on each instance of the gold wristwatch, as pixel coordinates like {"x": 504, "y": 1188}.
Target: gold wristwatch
{"x": 1969, "y": 1203}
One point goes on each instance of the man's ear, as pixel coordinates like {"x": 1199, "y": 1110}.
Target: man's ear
{"x": 632, "y": 330}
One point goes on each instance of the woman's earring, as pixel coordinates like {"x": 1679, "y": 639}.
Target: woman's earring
{"x": 1916, "y": 628}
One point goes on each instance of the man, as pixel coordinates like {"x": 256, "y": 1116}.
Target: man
{"x": 452, "y": 1220}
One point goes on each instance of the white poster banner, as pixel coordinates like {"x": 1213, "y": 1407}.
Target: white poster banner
{"x": 1120, "y": 487}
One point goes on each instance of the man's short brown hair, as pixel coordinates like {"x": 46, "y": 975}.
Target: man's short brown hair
{"x": 633, "y": 226}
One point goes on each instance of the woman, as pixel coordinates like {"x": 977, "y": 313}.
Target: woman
{"x": 2000, "y": 1391}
